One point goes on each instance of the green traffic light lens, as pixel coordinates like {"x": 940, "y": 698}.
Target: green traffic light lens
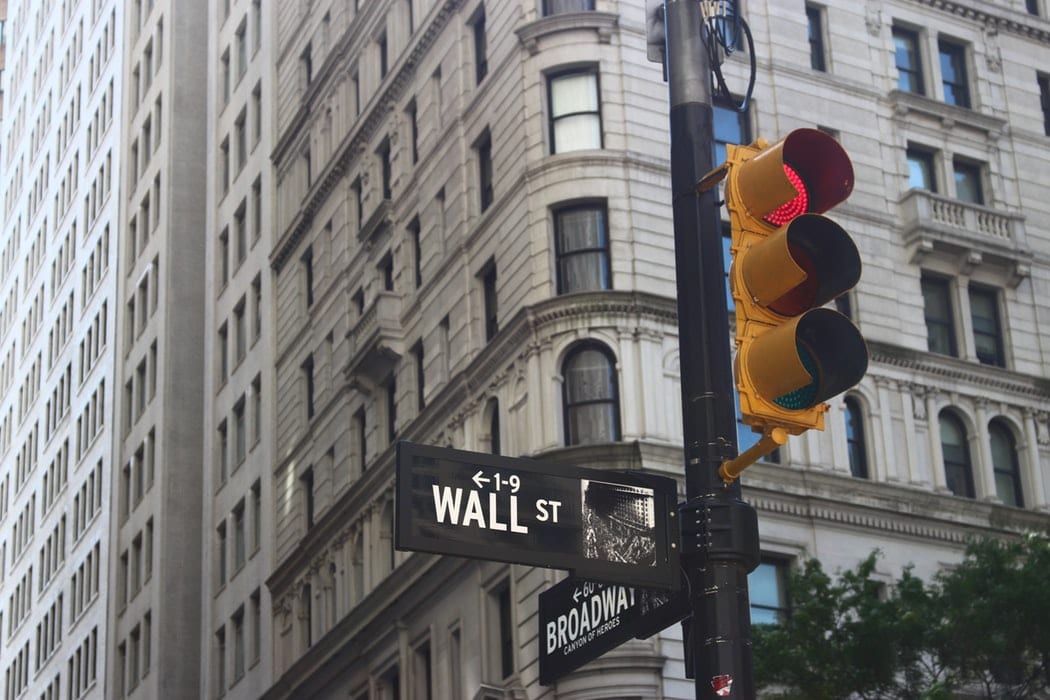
{"x": 806, "y": 396}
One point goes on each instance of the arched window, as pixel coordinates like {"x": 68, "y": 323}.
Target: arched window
{"x": 958, "y": 470}
{"x": 858, "y": 448}
{"x": 590, "y": 395}
{"x": 1005, "y": 464}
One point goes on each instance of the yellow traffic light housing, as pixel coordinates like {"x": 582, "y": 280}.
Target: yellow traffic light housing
{"x": 788, "y": 261}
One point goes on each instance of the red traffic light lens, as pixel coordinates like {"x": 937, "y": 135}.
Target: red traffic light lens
{"x": 797, "y": 206}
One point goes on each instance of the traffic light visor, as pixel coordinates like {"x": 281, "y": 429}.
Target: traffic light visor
{"x": 805, "y": 172}
{"x": 804, "y": 264}
{"x": 808, "y": 360}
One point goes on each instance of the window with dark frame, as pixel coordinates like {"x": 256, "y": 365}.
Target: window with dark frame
{"x": 815, "y": 31}
{"x": 359, "y": 201}
{"x": 413, "y": 125}
{"x": 1032, "y": 6}
{"x": 423, "y": 675}
{"x": 575, "y": 110}
{"x": 362, "y": 438}
{"x": 490, "y": 300}
{"x": 590, "y": 395}
{"x": 384, "y": 65}
{"x": 953, "y": 73}
{"x": 415, "y": 234}
{"x": 308, "y": 379}
{"x": 417, "y": 356}
{"x": 1044, "y": 100}
{"x": 384, "y": 159}
{"x": 968, "y": 182}
{"x": 581, "y": 248}
{"x": 481, "y": 62}
{"x": 908, "y": 61}
{"x": 987, "y": 330}
{"x": 494, "y": 440}
{"x": 501, "y": 630}
{"x": 1005, "y": 465}
{"x": 937, "y": 309}
{"x": 558, "y": 7}
{"x": 483, "y": 148}
{"x": 921, "y": 172}
{"x": 306, "y": 60}
{"x": 767, "y": 587}
{"x": 386, "y": 270}
{"x": 955, "y": 449}
{"x": 855, "y": 441}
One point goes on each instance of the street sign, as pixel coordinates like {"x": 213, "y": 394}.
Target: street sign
{"x": 605, "y": 525}
{"x": 581, "y": 620}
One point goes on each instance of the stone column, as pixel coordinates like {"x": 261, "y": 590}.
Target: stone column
{"x": 984, "y": 470}
{"x": 940, "y": 484}
{"x": 1031, "y": 465}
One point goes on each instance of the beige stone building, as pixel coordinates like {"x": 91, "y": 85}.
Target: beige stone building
{"x": 472, "y": 247}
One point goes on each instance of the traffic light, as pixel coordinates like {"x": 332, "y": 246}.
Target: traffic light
{"x": 788, "y": 261}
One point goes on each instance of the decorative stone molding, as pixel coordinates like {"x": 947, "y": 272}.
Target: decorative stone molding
{"x": 603, "y": 23}
{"x": 873, "y": 18}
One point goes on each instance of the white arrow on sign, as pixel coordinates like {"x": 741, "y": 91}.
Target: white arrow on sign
{"x": 479, "y": 479}
{"x": 576, "y": 595}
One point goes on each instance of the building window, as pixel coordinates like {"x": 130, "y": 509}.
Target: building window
{"x": 384, "y": 159}
{"x": 391, "y": 408}
{"x": 953, "y": 73}
{"x": 575, "y": 111}
{"x": 1005, "y": 464}
{"x": 1044, "y": 101}
{"x": 501, "y": 630}
{"x": 815, "y": 29}
{"x": 909, "y": 65}
{"x": 306, "y": 483}
{"x": 307, "y": 261}
{"x": 220, "y": 662}
{"x": 1032, "y": 6}
{"x": 413, "y": 126}
{"x": 417, "y": 355}
{"x": 987, "y": 331}
{"x": 308, "y": 380}
{"x": 483, "y": 148}
{"x": 490, "y": 300}
{"x": 220, "y": 553}
{"x": 481, "y": 62}
{"x": 968, "y": 182}
{"x": 558, "y": 7}
{"x": 855, "y": 442}
{"x": 240, "y": 437}
{"x": 958, "y": 471}
{"x": 223, "y": 448}
{"x": 362, "y": 438}
{"x": 581, "y": 247}
{"x": 237, "y": 622}
{"x": 940, "y": 322}
{"x": 768, "y": 592}
{"x": 921, "y": 173}
{"x": 493, "y": 426}
{"x": 416, "y": 237}
{"x": 730, "y": 126}
{"x": 590, "y": 395}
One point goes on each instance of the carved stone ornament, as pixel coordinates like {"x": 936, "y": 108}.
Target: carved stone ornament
{"x": 1042, "y": 427}
{"x": 873, "y": 18}
{"x": 992, "y": 54}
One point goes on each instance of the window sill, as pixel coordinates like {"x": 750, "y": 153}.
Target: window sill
{"x": 910, "y": 105}
{"x": 603, "y": 23}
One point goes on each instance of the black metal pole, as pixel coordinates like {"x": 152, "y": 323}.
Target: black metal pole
{"x": 719, "y": 530}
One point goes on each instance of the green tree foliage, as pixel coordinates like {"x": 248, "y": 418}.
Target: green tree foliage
{"x": 982, "y": 627}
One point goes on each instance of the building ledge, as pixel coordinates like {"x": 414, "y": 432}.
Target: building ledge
{"x": 601, "y": 22}
{"x": 378, "y": 221}
{"x": 935, "y": 225}
{"x": 908, "y": 105}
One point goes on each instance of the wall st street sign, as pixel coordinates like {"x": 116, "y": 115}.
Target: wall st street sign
{"x": 605, "y": 525}
{"x": 581, "y": 620}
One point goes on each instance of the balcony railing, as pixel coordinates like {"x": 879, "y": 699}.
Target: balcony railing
{"x": 934, "y": 222}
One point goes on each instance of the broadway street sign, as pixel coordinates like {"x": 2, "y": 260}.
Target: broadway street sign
{"x": 611, "y": 526}
{"x": 581, "y": 620}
